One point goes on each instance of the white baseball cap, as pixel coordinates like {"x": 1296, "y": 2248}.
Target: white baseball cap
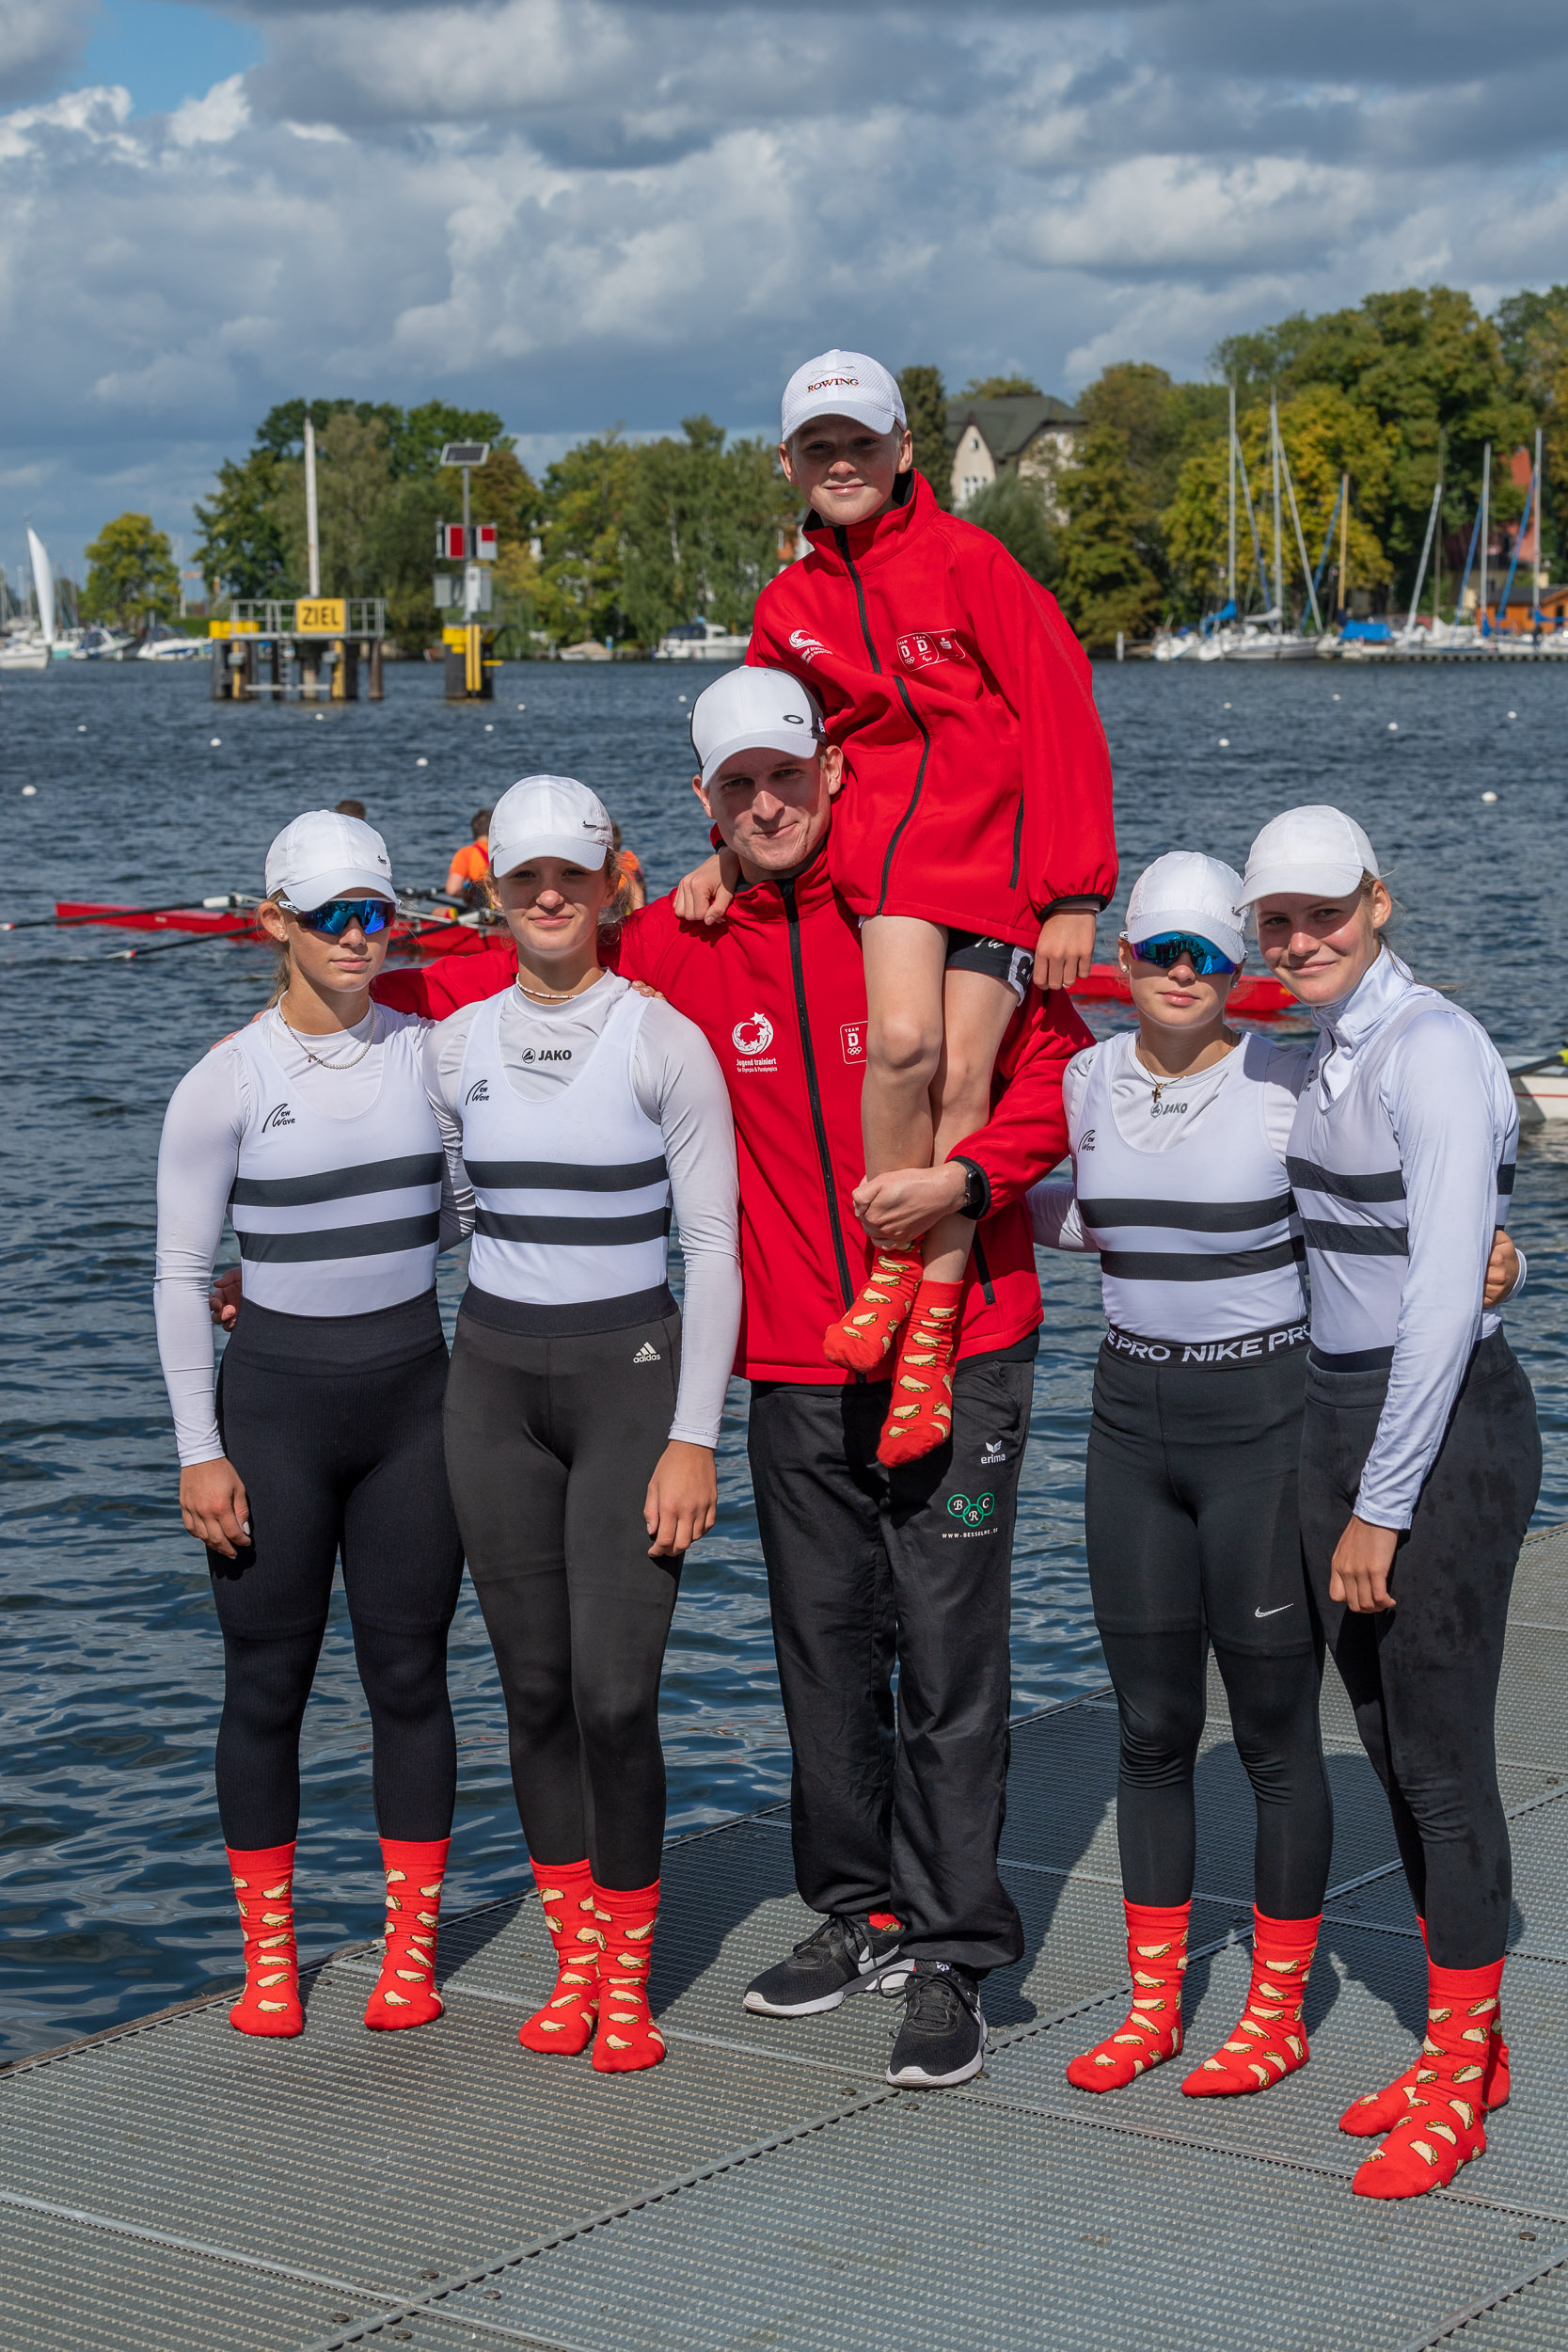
{"x": 549, "y": 817}
{"x": 323, "y": 855}
{"x": 1184, "y": 891}
{"x": 754, "y": 711}
{"x": 842, "y": 384}
{"x": 1305, "y": 850}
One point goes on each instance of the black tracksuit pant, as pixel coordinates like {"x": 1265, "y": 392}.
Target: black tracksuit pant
{"x": 870, "y": 1569}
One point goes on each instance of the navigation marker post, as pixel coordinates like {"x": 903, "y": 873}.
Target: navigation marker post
{"x": 471, "y": 668}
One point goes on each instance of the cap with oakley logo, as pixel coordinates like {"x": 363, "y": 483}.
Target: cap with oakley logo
{"x": 747, "y": 711}
{"x": 1184, "y": 891}
{"x": 1308, "y": 851}
{"x": 549, "y": 817}
{"x": 323, "y": 855}
{"x": 842, "y": 384}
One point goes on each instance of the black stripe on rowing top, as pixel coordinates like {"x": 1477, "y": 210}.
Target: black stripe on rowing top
{"x": 1176, "y": 1265}
{"x": 1385, "y": 1186}
{"x": 1505, "y": 1175}
{"x": 576, "y": 1232}
{"x": 1187, "y": 1217}
{"x": 1357, "y": 1241}
{"x": 562, "y": 1176}
{"x": 336, "y": 1183}
{"x": 343, "y": 1241}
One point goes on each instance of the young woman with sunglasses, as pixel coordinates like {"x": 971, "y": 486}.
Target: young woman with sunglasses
{"x": 1179, "y": 1133}
{"x": 1420, "y": 1457}
{"x": 312, "y": 1130}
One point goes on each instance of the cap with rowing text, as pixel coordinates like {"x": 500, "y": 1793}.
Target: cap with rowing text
{"x": 1307, "y": 850}
{"x": 747, "y": 711}
{"x": 323, "y": 855}
{"x": 842, "y": 384}
{"x": 1184, "y": 891}
{"x": 549, "y": 817}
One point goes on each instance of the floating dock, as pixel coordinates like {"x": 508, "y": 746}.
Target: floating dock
{"x": 171, "y": 2187}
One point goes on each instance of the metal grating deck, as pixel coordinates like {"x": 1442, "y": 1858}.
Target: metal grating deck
{"x": 173, "y": 2187}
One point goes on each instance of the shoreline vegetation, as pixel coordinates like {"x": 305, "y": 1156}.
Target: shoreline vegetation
{"x": 622, "y": 540}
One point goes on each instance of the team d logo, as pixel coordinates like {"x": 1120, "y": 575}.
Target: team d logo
{"x": 974, "y": 1510}
{"x": 851, "y": 1035}
{"x": 753, "y": 1036}
{"x": 920, "y": 648}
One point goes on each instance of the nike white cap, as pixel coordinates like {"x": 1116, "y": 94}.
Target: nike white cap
{"x": 1305, "y": 850}
{"x": 749, "y": 710}
{"x": 323, "y": 855}
{"x": 842, "y": 384}
{"x": 1184, "y": 891}
{"x": 549, "y": 817}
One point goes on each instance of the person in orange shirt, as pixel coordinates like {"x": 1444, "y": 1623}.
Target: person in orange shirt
{"x": 469, "y": 866}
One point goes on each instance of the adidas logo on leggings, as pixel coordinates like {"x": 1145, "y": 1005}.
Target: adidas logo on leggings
{"x": 647, "y": 1354}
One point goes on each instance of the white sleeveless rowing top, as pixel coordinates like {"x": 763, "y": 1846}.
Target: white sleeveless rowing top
{"x": 338, "y": 1217}
{"x": 571, "y": 1194}
{"x": 1196, "y": 1242}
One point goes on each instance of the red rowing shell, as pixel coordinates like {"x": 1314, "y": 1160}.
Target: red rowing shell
{"x": 1251, "y": 999}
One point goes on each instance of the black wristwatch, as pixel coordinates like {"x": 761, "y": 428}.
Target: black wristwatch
{"x": 976, "y": 1198}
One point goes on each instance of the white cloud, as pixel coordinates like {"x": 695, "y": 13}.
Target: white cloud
{"x": 212, "y": 121}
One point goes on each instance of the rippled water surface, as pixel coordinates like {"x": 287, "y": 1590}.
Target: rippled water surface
{"x": 114, "y": 1900}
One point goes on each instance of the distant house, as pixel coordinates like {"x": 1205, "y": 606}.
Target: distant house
{"x": 1028, "y": 433}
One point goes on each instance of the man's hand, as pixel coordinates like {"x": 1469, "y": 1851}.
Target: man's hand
{"x": 703, "y": 895}
{"x": 214, "y": 1506}
{"x": 1064, "y": 950}
{"x": 903, "y": 1205}
{"x": 683, "y": 1497}
{"x": 1502, "y": 1270}
{"x": 1362, "y": 1561}
{"x": 223, "y": 1300}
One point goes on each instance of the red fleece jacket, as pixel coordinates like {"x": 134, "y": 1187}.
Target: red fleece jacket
{"x": 979, "y": 789}
{"x": 779, "y": 990}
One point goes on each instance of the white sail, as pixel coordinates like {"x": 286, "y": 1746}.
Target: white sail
{"x": 43, "y": 584}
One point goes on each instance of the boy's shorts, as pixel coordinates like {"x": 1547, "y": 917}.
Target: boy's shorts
{"x": 967, "y": 951}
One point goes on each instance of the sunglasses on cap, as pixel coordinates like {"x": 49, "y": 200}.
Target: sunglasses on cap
{"x": 371, "y": 914}
{"x": 1172, "y": 947}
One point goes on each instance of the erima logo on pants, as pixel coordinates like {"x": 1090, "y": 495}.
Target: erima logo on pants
{"x": 647, "y": 1354}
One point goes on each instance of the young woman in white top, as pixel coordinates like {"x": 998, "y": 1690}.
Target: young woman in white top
{"x": 1421, "y": 1457}
{"x": 1178, "y": 1134}
{"x": 583, "y": 1413}
{"x": 311, "y": 1130}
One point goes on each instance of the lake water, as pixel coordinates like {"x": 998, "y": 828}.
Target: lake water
{"x": 114, "y": 1898}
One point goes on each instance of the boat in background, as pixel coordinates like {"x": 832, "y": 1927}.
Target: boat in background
{"x": 700, "y": 641}
{"x": 36, "y": 647}
{"x": 163, "y": 643}
{"x": 97, "y": 642}
{"x": 1259, "y": 998}
{"x": 1540, "y": 1083}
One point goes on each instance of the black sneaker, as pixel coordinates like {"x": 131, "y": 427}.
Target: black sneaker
{"x": 841, "y": 1957}
{"x": 942, "y": 2038}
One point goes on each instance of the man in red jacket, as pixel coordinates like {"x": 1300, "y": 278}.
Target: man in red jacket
{"x": 896, "y": 1823}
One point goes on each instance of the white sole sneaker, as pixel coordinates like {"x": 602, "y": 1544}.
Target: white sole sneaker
{"x": 915, "y": 2078}
{"x": 886, "y": 1975}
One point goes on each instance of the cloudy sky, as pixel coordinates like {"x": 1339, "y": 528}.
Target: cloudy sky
{"x": 590, "y": 212}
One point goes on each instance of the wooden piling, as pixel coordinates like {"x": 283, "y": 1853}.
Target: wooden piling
{"x": 376, "y": 689}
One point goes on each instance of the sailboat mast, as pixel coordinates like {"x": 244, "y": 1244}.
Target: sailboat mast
{"x": 1485, "y": 524}
{"x": 1230, "y": 512}
{"x": 1344, "y": 547}
{"x": 1535, "y": 592}
{"x": 312, "y": 536}
{"x": 1279, "y": 541}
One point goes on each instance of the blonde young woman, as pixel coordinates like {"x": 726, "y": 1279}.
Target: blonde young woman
{"x": 311, "y": 1131}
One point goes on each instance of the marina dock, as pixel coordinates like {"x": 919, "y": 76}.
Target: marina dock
{"x": 172, "y": 2186}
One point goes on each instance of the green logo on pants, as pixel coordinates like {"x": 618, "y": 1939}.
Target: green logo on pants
{"x": 974, "y": 1514}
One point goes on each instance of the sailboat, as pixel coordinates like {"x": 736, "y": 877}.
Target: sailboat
{"x": 34, "y": 650}
{"x": 1268, "y": 639}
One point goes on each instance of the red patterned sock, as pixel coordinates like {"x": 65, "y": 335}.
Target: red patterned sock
{"x": 1444, "y": 2126}
{"x": 920, "y": 1417}
{"x": 1378, "y": 2111}
{"x": 405, "y": 1991}
{"x": 1271, "y": 2041}
{"x": 263, "y": 1879}
{"x": 1157, "y": 1956}
{"x": 860, "y": 1340}
{"x": 627, "y": 2038}
{"x": 564, "y": 2025}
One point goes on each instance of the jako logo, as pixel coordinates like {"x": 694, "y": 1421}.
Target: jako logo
{"x": 973, "y": 1513}
{"x": 753, "y": 1036}
{"x": 807, "y": 646}
{"x": 280, "y": 1116}
{"x": 479, "y": 1092}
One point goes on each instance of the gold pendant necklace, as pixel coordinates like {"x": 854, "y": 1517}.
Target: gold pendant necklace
{"x": 322, "y": 1064}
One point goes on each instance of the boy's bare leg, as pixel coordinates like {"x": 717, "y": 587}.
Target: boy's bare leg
{"x": 904, "y": 960}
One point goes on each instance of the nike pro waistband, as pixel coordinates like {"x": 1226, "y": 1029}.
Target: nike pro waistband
{"x": 1250, "y": 1347}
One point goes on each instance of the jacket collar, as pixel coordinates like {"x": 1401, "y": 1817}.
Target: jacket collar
{"x": 1382, "y": 988}
{"x": 810, "y": 888}
{"x": 884, "y": 535}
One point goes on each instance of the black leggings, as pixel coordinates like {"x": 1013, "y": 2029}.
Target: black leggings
{"x": 1190, "y": 1513}
{"x": 1422, "y": 1677}
{"x": 334, "y": 1423}
{"x": 550, "y": 1445}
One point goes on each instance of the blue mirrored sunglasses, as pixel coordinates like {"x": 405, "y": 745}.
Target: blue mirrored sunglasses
{"x": 1170, "y": 947}
{"x": 371, "y": 914}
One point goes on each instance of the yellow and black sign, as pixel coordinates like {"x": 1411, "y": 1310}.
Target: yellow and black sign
{"x": 321, "y": 616}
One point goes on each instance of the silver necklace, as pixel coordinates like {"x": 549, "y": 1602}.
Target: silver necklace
{"x": 320, "y": 1061}
{"x": 548, "y": 995}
